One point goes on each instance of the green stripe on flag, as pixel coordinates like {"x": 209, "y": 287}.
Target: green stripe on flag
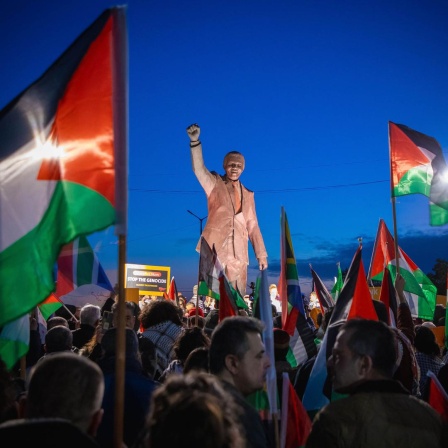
{"x": 37, "y": 251}
{"x": 14, "y": 341}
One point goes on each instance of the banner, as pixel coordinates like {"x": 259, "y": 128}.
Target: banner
{"x": 149, "y": 280}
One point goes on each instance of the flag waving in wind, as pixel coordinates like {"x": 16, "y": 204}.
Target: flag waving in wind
{"x": 209, "y": 271}
{"x": 63, "y": 154}
{"x": 81, "y": 278}
{"x": 172, "y": 292}
{"x": 337, "y": 287}
{"x": 293, "y": 309}
{"x": 323, "y": 296}
{"x": 213, "y": 282}
{"x": 420, "y": 292}
{"x": 355, "y": 301}
{"x": 417, "y": 165}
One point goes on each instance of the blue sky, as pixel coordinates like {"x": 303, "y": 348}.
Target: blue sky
{"x": 304, "y": 89}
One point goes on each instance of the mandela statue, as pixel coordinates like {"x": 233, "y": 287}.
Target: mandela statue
{"x": 232, "y": 219}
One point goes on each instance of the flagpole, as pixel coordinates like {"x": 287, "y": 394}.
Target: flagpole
{"x": 394, "y": 216}
{"x": 121, "y": 143}
{"x": 394, "y": 212}
{"x": 120, "y": 347}
{"x": 63, "y": 304}
{"x": 196, "y": 321}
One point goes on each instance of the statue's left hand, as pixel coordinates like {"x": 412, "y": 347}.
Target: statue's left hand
{"x": 262, "y": 263}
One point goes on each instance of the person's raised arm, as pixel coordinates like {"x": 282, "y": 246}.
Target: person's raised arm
{"x": 205, "y": 178}
{"x": 399, "y": 288}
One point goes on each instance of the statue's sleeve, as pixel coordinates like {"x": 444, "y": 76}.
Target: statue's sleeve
{"x": 205, "y": 178}
{"x": 253, "y": 229}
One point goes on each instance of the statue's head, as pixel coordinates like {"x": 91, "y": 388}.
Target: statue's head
{"x": 233, "y": 164}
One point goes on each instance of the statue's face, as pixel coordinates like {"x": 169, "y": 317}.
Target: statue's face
{"x": 233, "y": 169}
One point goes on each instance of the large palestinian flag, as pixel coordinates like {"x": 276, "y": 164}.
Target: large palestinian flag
{"x": 62, "y": 155}
{"x": 417, "y": 166}
{"x": 420, "y": 292}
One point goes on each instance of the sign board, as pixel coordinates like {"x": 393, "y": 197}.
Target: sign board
{"x": 149, "y": 280}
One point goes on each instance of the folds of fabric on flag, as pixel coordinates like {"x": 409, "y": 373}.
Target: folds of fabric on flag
{"x": 227, "y": 305}
{"x": 209, "y": 271}
{"x": 172, "y": 292}
{"x": 437, "y": 398}
{"x": 14, "y": 340}
{"x": 355, "y": 301}
{"x": 388, "y": 296}
{"x": 213, "y": 282}
{"x": 295, "y": 422}
{"x": 61, "y": 140}
{"x": 293, "y": 310}
{"x": 49, "y": 306}
{"x": 420, "y": 292}
{"x": 323, "y": 296}
{"x": 266, "y": 400}
{"x": 41, "y": 325}
{"x": 230, "y": 300}
{"x": 268, "y": 339}
{"x": 418, "y": 167}
{"x": 81, "y": 279}
{"x": 337, "y": 287}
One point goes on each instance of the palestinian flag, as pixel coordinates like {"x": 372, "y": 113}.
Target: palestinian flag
{"x": 420, "y": 292}
{"x": 355, "y": 301}
{"x": 295, "y": 423}
{"x": 417, "y": 165}
{"x": 227, "y": 304}
{"x": 293, "y": 310}
{"x": 14, "y": 340}
{"x": 63, "y": 154}
{"x": 323, "y": 296}
{"x": 49, "y": 306}
{"x": 388, "y": 296}
{"x": 212, "y": 278}
{"x": 209, "y": 271}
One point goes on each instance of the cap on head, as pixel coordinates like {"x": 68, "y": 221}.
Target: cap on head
{"x": 233, "y": 156}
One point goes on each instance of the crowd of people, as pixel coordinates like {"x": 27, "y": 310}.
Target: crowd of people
{"x": 189, "y": 379}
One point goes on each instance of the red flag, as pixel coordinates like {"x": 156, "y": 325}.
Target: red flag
{"x": 438, "y": 398}
{"x": 295, "y": 422}
{"x": 172, "y": 292}
{"x": 389, "y": 297}
{"x": 227, "y": 306}
{"x": 362, "y": 305}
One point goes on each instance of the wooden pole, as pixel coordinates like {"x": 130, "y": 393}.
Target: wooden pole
{"x": 394, "y": 213}
{"x": 397, "y": 255}
{"x": 120, "y": 347}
